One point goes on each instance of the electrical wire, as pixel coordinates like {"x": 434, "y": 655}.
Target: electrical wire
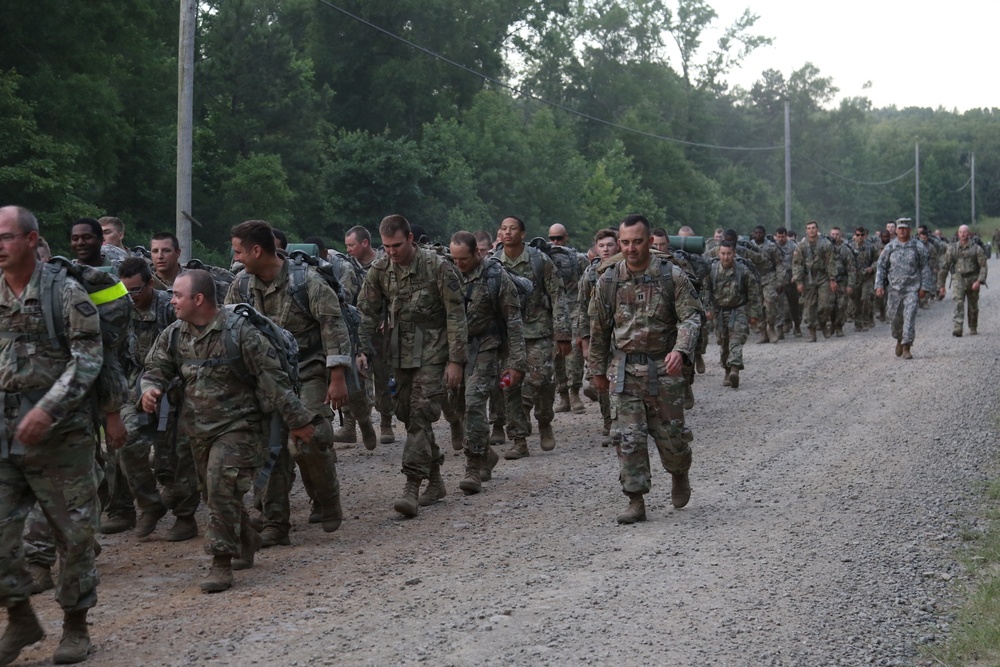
{"x": 856, "y": 182}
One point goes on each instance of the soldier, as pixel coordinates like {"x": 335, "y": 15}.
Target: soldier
{"x": 166, "y": 253}
{"x": 644, "y": 322}
{"x": 568, "y": 369}
{"x": 845, "y": 277}
{"x": 660, "y": 241}
{"x": 222, "y": 413}
{"x": 47, "y": 449}
{"x": 996, "y": 240}
{"x": 428, "y": 341}
{"x": 867, "y": 257}
{"x": 268, "y": 283}
{"x": 884, "y": 237}
{"x": 545, "y": 317}
{"x": 813, "y": 270}
{"x": 606, "y": 241}
{"x": 113, "y": 233}
{"x": 174, "y": 467}
{"x": 966, "y": 262}
{"x": 733, "y": 294}
{"x": 789, "y": 305}
{"x": 86, "y": 240}
{"x": 716, "y": 239}
{"x": 493, "y": 313}
{"x": 359, "y": 246}
{"x": 772, "y": 284}
{"x": 903, "y": 268}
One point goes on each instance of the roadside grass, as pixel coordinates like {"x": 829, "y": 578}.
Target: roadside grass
{"x": 974, "y": 639}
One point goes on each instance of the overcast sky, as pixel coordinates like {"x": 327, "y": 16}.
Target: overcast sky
{"x": 933, "y": 55}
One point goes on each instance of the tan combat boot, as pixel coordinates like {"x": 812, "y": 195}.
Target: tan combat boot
{"x": 23, "y": 629}
{"x": 899, "y": 347}
{"x": 590, "y": 392}
{"x": 906, "y": 352}
{"x": 146, "y": 523}
{"x": 348, "y": 432}
{"x": 518, "y": 450}
{"x": 563, "y": 404}
{"x": 812, "y": 334}
{"x": 407, "y": 504}
{"x": 472, "y": 484}
{"x": 764, "y": 338}
{"x": 41, "y": 579}
{"x": 75, "y": 643}
{"x": 497, "y": 436}
{"x": 734, "y": 377}
{"x": 726, "y": 382}
{"x": 547, "y": 439}
{"x": 435, "y": 490}
{"x": 368, "y": 436}
{"x": 575, "y": 404}
{"x": 680, "y": 489}
{"x": 488, "y": 463}
{"x": 699, "y": 364}
{"x": 220, "y": 577}
{"x": 386, "y": 436}
{"x": 688, "y": 396}
{"x": 457, "y": 435}
{"x": 250, "y": 544}
{"x": 636, "y": 509}
{"x": 184, "y": 528}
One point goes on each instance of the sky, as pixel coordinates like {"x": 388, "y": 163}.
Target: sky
{"x": 933, "y": 55}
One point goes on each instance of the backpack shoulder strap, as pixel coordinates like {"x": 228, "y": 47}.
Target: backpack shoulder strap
{"x": 53, "y": 280}
{"x": 243, "y": 287}
{"x": 297, "y": 279}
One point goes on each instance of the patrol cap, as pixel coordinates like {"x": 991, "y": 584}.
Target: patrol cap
{"x": 903, "y": 222}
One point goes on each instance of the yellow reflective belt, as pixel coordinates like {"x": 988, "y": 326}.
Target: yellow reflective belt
{"x": 109, "y": 294}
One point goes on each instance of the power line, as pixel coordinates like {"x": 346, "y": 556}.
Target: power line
{"x": 856, "y": 182}
{"x": 523, "y": 93}
{"x": 964, "y": 186}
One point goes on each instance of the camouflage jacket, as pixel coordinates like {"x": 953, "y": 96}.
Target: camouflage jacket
{"x": 904, "y": 267}
{"x": 147, "y": 325}
{"x": 426, "y": 312}
{"x": 866, "y": 259}
{"x": 968, "y": 261}
{"x": 218, "y": 399}
{"x": 847, "y": 265}
{"x": 321, "y": 332}
{"x": 494, "y": 317}
{"x": 787, "y": 251}
{"x": 113, "y": 255}
{"x": 814, "y": 263}
{"x": 546, "y": 315}
{"x": 633, "y": 314}
{"x": 585, "y": 292}
{"x": 773, "y": 268}
{"x": 735, "y": 287}
{"x": 56, "y": 377}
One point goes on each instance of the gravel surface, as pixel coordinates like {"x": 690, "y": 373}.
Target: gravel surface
{"x": 831, "y": 491}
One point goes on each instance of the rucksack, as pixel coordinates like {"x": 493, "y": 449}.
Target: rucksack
{"x": 525, "y": 287}
{"x": 986, "y": 248}
{"x": 565, "y": 260}
{"x": 222, "y": 278}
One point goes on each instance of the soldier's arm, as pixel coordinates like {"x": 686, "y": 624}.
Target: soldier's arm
{"x": 943, "y": 267}
{"x": 981, "y": 257}
{"x": 160, "y": 365}
{"x": 233, "y": 293}
{"x": 262, "y": 361}
{"x": 797, "y": 266}
{"x": 450, "y": 285}
{"x": 370, "y": 306}
{"x": 511, "y": 311}
{"x": 601, "y": 326}
{"x": 560, "y": 313}
{"x": 755, "y": 298}
{"x": 581, "y": 319}
{"x": 926, "y": 275}
{"x": 882, "y": 270}
{"x": 324, "y": 306}
{"x": 688, "y": 312}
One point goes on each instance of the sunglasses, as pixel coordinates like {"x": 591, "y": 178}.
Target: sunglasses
{"x": 557, "y": 238}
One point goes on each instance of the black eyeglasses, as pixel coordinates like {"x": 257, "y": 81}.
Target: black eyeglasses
{"x": 557, "y": 238}
{"x": 136, "y": 290}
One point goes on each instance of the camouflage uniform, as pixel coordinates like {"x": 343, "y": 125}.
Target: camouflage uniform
{"x": 967, "y": 264}
{"x": 934, "y": 259}
{"x": 59, "y": 472}
{"x": 636, "y": 320}
{"x": 221, "y": 415}
{"x": 569, "y": 370}
{"x": 867, "y": 257}
{"x": 813, "y": 266}
{"x": 788, "y": 304}
{"x": 485, "y": 311}
{"x": 772, "y": 278}
{"x": 380, "y": 366}
{"x": 846, "y": 277}
{"x": 427, "y": 329}
{"x": 324, "y": 343}
{"x": 903, "y": 270}
{"x": 545, "y": 319}
{"x": 581, "y": 325}
{"x": 734, "y": 296}
{"x": 113, "y": 255}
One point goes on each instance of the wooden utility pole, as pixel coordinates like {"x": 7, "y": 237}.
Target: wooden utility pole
{"x": 917, "y": 187}
{"x": 788, "y": 169}
{"x": 185, "y": 123}
{"x": 972, "y": 182}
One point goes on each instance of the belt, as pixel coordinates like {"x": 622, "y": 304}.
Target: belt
{"x": 971, "y": 274}
{"x": 651, "y": 359}
{"x": 728, "y": 308}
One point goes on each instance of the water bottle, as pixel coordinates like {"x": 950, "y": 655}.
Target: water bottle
{"x": 392, "y": 386}
{"x": 505, "y": 381}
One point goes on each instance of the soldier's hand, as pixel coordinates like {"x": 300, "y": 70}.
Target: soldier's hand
{"x": 33, "y": 427}
{"x": 114, "y": 430}
{"x": 150, "y": 400}
{"x": 921, "y": 293}
{"x": 303, "y": 433}
{"x": 850, "y": 290}
{"x": 336, "y": 391}
{"x": 600, "y": 383}
{"x": 833, "y": 286}
{"x": 940, "y": 294}
{"x": 675, "y": 363}
{"x": 754, "y": 321}
{"x": 880, "y": 292}
{"x": 801, "y": 288}
{"x": 564, "y": 347}
{"x": 975, "y": 286}
{"x": 584, "y": 345}
{"x": 709, "y": 315}
{"x": 515, "y": 376}
{"x": 453, "y": 375}
{"x": 362, "y": 362}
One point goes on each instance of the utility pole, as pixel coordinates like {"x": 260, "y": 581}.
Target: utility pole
{"x": 917, "y": 191}
{"x": 788, "y": 169}
{"x": 185, "y": 114}
{"x": 972, "y": 181}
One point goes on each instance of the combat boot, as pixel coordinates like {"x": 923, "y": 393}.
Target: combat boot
{"x": 518, "y": 450}
{"x": 250, "y": 544}
{"x": 974, "y": 325}
{"x": 41, "y": 579}
{"x": 899, "y": 347}
{"x": 734, "y": 377}
{"x": 386, "y": 436}
{"x": 797, "y": 331}
{"x": 407, "y": 504}
{"x": 147, "y": 521}
{"x": 688, "y": 396}
{"x": 368, "y": 436}
{"x": 636, "y": 509}
{"x": 606, "y": 442}
{"x": 547, "y": 439}
{"x": 23, "y": 629}
{"x": 348, "y": 432}
{"x": 590, "y": 392}
{"x": 75, "y": 643}
{"x": 726, "y": 382}
{"x": 472, "y": 484}
{"x": 812, "y": 334}
{"x": 906, "y": 352}
{"x": 497, "y": 436}
{"x": 563, "y": 404}
{"x": 839, "y": 331}
{"x": 764, "y": 338}
{"x": 117, "y": 523}
{"x": 575, "y": 404}
{"x": 332, "y": 514}
{"x": 699, "y": 364}
{"x": 781, "y": 332}
{"x": 957, "y": 333}
{"x": 220, "y": 577}
{"x": 184, "y": 528}
{"x": 457, "y": 435}
{"x": 972, "y": 331}
{"x": 435, "y": 490}
{"x": 680, "y": 489}
{"x": 488, "y": 463}
{"x": 827, "y": 330}
{"x": 315, "y": 512}
{"x": 273, "y": 536}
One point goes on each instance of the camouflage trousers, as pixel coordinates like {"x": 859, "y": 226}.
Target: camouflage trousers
{"x": 771, "y": 298}
{"x": 173, "y": 466}
{"x": 317, "y": 460}
{"x": 791, "y": 313}
{"x": 902, "y": 313}
{"x": 841, "y": 303}
{"x": 816, "y": 302}
{"x": 640, "y": 409}
{"x": 568, "y": 370}
{"x": 381, "y": 370}
{"x": 732, "y": 327}
{"x": 60, "y": 475}
{"x": 419, "y": 395}
{"x": 468, "y": 404}
{"x": 536, "y": 391}
{"x": 961, "y": 291}
{"x": 863, "y": 303}
{"x": 227, "y": 465}
{"x": 498, "y": 406}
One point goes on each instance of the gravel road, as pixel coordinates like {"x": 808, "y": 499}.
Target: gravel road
{"x": 831, "y": 491}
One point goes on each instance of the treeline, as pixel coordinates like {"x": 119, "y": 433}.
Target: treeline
{"x": 317, "y": 121}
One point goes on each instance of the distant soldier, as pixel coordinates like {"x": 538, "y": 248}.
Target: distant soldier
{"x": 791, "y": 314}
{"x": 884, "y": 238}
{"x": 733, "y": 294}
{"x": 660, "y": 240}
{"x": 846, "y": 278}
{"x": 568, "y": 369}
{"x": 996, "y": 241}
{"x": 867, "y": 258}
{"x": 966, "y": 262}
{"x": 113, "y": 231}
{"x": 644, "y": 322}
{"x": 772, "y": 284}
{"x": 904, "y": 271}
{"x": 814, "y": 266}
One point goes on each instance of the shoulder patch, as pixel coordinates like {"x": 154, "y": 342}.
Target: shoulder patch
{"x": 86, "y": 308}
{"x": 453, "y": 284}
{"x": 271, "y": 353}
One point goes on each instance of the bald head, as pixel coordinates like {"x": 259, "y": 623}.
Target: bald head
{"x": 963, "y": 234}
{"x": 558, "y": 234}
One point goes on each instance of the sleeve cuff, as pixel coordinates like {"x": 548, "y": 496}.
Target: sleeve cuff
{"x": 335, "y": 360}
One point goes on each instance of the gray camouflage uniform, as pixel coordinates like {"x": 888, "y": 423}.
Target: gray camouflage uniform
{"x": 903, "y": 270}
